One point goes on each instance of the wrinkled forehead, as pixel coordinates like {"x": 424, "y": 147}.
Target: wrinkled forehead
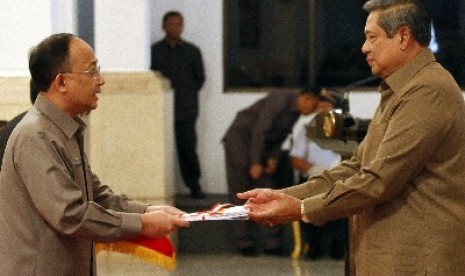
{"x": 81, "y": 54}
{"x": 371, "y": 25}
{"x": 372, "y": 20}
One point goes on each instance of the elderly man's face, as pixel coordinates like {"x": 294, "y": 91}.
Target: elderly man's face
{"x": 83, "y": 81}
{"x": 383, "y": 54}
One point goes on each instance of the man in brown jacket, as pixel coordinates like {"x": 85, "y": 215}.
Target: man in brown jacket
{"x": 405, "y": 184}
{"x": 52, "y": 207}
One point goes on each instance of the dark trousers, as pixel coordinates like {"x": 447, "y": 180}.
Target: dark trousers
{"x": 247, "y": 233}
{"x": 186, "y": 145}
{"x": 284, "y": 175}
{"x": 330, "y": 238}
{"x": 237, "y": 153}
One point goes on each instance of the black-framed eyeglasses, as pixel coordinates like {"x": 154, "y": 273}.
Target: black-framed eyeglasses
{"x": 92, "y": 73}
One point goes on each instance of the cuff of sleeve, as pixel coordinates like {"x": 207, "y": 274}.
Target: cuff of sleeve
{"x": 131, "y": 225}
{"x": 315, "y": 170}
{"x": 313, "y": 208}
{"x": 136, "y": 207}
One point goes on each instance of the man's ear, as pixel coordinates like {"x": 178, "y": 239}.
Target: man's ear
{"x": 60, "y": 82}
{"x": 405, "y": 36}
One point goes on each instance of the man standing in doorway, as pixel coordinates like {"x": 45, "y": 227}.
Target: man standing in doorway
{"x": 181, "y": 62}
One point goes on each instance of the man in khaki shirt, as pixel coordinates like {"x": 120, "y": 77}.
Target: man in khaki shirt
{"x": 52, "y": 207}
{"x": 405, "y": 184}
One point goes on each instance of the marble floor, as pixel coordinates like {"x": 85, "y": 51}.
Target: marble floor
{"x": 234, "y": 264}
{"x": 206, "y": 249}
{"x": 222, "y": 265}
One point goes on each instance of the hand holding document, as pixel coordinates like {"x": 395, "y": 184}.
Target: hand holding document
{"x": 219, "y": 211}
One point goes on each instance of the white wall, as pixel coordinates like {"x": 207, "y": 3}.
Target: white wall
{"x": 122, "y": 35}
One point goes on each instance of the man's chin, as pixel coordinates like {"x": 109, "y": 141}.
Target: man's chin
{"x": 93, "y": 107}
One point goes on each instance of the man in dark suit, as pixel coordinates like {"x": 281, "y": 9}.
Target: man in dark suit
{"x": 6, "y": 130}
{"x": 252, "y": 147}
{"x": 181, "y": 62}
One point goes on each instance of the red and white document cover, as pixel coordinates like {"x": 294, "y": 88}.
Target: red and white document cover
{"x": 219, "y": 211}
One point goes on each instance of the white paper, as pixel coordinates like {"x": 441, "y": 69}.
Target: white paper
{"x": 219, "y": 212}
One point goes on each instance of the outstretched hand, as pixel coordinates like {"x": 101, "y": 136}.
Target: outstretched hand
{"x": 271, "y": 207}
{"x": 156, "y": 224}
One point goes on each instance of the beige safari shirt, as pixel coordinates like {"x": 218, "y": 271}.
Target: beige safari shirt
{"x": 50, "y": 210}
{"x": 405, "y": 183}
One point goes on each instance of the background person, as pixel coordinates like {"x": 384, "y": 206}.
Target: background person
{"x": 52, "y": 207}
{"x": 6, "y": 130}
{"x": 181, "y": 62}
{"x": 252, "y": 147}
{"x": 404, "y": 184}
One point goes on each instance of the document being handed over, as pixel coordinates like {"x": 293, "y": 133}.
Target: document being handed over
{"x": 219, "y": 211}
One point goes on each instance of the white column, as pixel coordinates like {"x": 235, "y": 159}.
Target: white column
{"x": 130, "y": 132}
{"x": 122, "y": 35}
{"x": 64, "y": 16}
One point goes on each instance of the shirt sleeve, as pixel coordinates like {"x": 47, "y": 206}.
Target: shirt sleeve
{"x": 198, "y": 70}
{"x": 395, "y": 150}
{"x": 105, "y": 197}
{"x": 299, "y": 145}
{"x": 155, "y": 58}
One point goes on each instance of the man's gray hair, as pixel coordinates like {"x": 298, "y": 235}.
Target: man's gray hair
{"x": 395, "y": 14}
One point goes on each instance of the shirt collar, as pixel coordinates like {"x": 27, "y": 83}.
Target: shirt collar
{"x": 66, "y": 123}
{"x": 398, "y": 79}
